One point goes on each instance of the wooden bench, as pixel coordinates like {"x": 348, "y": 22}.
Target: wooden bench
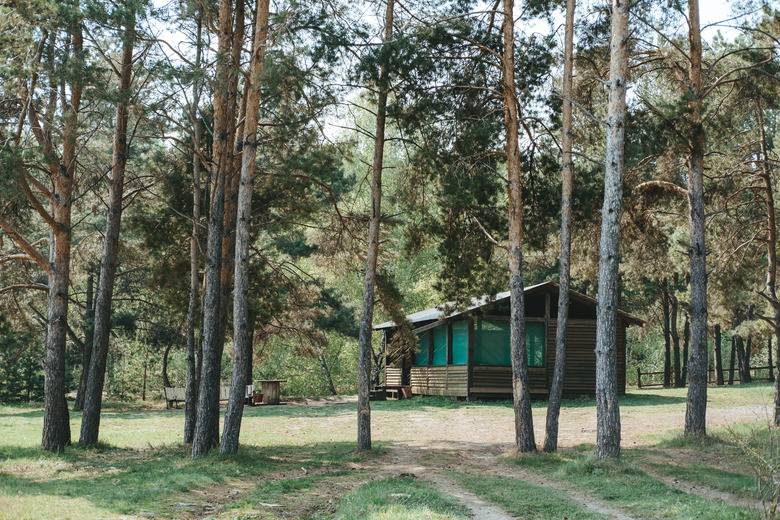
{"x": 173, "y": 395}
{"x": 176, "y": 394}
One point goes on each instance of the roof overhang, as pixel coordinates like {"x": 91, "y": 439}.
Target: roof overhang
{"x": 452, "y": 309}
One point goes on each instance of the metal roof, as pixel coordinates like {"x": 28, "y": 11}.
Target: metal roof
{"x": 439, "y": 312}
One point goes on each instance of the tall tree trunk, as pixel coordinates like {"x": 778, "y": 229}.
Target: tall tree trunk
{"x": 232, "y": 175}
{"x": 56, "y": 418}
{"x": 165, "y": 379}
{"x": 731, "y": 362}
{"x": 666, "y": 307}
{"x": 242, "y": 351}
{"x": 207, "y": 421}
{"x": 146, "y": 371}
{"x": 607, "y": 406}
{"x": 326, "y": 373}
{"x": 521, "y": 393}
{"x": 675, "y": 304}
{"x": 369, "y": 282}
{"x": 89, "y": 329}
{"x": 686, "y": 344}
{"x": 741, "y": 358}
{"x": 748, "y": 350}
{"x": 771, "y": 249}
{"x": 191, "y": 389}
{"x": 718, "y": 357}
{"x": 567, "y": 178}
{"x": 93, "y": 398}
{"x": 696, "y": 406}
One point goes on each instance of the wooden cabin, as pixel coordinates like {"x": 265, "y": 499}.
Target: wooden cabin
{"x": 466, "y": 353}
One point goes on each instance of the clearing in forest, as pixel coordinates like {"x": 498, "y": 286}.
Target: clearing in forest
{"x": 433, "y": 458}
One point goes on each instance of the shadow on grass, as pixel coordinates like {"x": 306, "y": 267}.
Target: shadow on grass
{"x": 126, "y": 481}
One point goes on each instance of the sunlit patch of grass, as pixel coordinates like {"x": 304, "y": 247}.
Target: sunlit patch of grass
{"x": 399, "y": 499}
{"x": 624, "y": 486}
{"x": 523, "y": 500}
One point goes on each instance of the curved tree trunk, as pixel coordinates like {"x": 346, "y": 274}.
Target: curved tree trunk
{"x": 93, "y": 398}
{"x": 369, "y": 282}
{"x": 165, "y": 380}
{"x": 607, "y": 407}
{"x": 556, "y": 389}
{"x": 242, "y": 351}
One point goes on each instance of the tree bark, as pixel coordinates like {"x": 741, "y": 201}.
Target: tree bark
{"x": 666, "y": 308}
{"x": 770, "y": 288}
{"x": 607, "y": 406}
{"x": 521, "y": 393}
{"x": 56, "y": 420}
{"x": 567, "y": 178}
{"x": 748, "y": 350}
{"x": 718, "y": 358}
{"x": 696, "y": 406}
{"x": 369, "y": 282}
{"x": 741, "y": 358}
{"x": 207, "y": 421}
{"x": 686, "y": 344}
{"x": 326, "y": 373}
{"x": 165, "y": 380}
{"x": 731, "y": 362}
{"x": 191, "y": 389}
{"x": 93, "y": 398}
{"x": 89, "y": 329}
{"x": 675, "y": 304}
{"x": 242, "y": 351}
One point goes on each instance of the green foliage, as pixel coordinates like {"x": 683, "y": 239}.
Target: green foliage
{"x": 21, "y": 374}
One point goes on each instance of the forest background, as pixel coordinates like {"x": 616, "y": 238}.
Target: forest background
{"x": 444, "y": 186}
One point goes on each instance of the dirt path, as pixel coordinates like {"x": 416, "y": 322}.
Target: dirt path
{"x": 695, "y": 489}
{"x": 467, "y": 426}
{"x": 429, "y": 463}
{"x": 478, "y": 507}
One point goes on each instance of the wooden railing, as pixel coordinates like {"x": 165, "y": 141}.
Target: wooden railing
{"x": 756, "y": 373}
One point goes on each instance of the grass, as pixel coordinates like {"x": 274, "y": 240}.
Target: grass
{"x": 141, "y": 467}
{"x": 523, "y": 500}
{"x": 620, "y": 484}
{"x": 399, "y": 499}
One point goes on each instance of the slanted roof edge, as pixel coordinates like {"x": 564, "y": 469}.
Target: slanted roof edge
{"x": 436, "y": 313}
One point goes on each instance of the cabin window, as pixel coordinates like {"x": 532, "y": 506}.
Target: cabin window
{"x": 421, "y": 356}
{"x": 535, "y": 343}
{"x": 439, "y": 345}
{"x": 491, "y": 339}
{"x": 460, "y": 342}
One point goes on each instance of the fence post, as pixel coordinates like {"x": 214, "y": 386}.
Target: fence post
{"x": 638, "y": 378}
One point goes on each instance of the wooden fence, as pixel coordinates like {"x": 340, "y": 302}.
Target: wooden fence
{"x": 756, "y": 373}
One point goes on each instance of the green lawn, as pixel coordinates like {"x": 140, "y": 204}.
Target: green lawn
{"x": 300, "y": 462}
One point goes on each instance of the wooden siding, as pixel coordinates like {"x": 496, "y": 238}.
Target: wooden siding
{"x": 494, "y": 379}
{"x": 580, "y": 375}
{"x": 394, "y": 376}
{"x": 440, "y": 380}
